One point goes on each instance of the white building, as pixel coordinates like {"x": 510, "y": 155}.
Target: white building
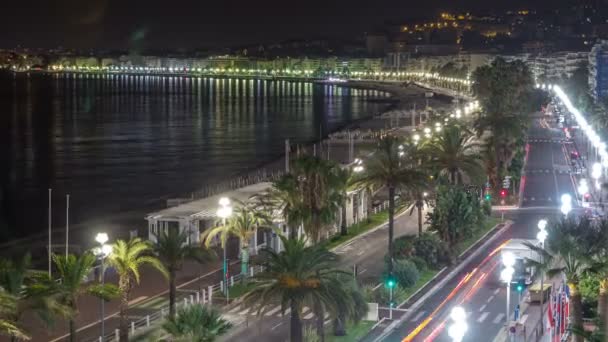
{"x": 598, "y": 70}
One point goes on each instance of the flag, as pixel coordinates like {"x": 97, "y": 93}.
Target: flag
{"x": 550, "y": 316}
{"x": 563, "y": 315}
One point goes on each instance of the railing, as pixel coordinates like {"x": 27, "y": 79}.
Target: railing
{"x": 205, "y": 296}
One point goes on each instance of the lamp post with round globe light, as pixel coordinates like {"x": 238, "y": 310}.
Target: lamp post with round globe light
{"x": 542, "y": 236}
{"x": 508, "y": 260}
{"x": 224, "y": 211}
{"x": 566, "y": 204}
{"x": 102, "y": 252}
{"x": 459, "y": 326}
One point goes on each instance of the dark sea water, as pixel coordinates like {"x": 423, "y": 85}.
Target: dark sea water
{"x": 120, "y": 145}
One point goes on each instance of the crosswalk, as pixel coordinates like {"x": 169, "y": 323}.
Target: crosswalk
{"x": 479, "y": 316}
{"x": 242, "y": 310}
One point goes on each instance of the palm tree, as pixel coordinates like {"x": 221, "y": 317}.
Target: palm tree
{"x": 564, "y": 253}
{"x": 352, "y": 307}
{"x": 455, "y": 152}
{"x": 299, "y": 275}
{"x": 196, "y": 323}
{"x": 388, "y": 167}
{"x": 127, "y": 258}
{"x": 172, "y": 249}
{"x": 243, "y": 224}
{"x": 73, "y": 271}
{"x": 32, "y": 290}
{"x": 8, "y": 307}
{"x": 596, "y": 244}
{"x": 310, "y": 195}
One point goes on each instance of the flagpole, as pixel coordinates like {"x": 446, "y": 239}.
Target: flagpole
{"x": 67, "y": 224}
{"x": 50, "y": 251}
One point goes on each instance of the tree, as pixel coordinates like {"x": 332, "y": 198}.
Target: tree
{"x": 8, "y": 307}
{"x": 564, "y": 253}
{"x": 455, "y": 152}
{"x": 32, "y": 291}
{"x": 395, "y": 168}
{"x": 506, "y": 94}
{"x": 299, "y": 275}
{"x": 172, "y": 249}
{"x": 310, "y": 195}
{"x": 127, "y": 258}
{"x": 243, "y": 224}
{"x": 73, "y": 271}
{"x": 353, "y": 307}
{"x": 455, "y": 213}
{"x": 595, "y": 238}
{"x": 196, "y": 323}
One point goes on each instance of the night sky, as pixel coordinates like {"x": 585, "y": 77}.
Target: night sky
{"x": 137, "y": 24}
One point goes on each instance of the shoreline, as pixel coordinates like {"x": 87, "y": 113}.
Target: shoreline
{"x": 129, "y": 218}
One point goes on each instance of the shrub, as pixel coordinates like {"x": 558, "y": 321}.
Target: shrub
{"x": 406, "y": 273}
{"x": 420, "y": 263}
{"x": 403, "y": 247}
{"x": 426, "y": 247}
{"x": 487, "y": 208}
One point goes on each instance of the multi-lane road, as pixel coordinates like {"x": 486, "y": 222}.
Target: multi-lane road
{"x": 478, "y": 287}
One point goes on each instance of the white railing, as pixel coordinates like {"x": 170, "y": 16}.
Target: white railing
{"x": 205, "y": 296}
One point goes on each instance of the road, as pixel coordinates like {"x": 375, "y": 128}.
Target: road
{"x": 367, "y": 252}
{"x": 478, "y": 287}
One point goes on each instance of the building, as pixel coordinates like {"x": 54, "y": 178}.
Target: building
{"x": 598, "y": 70}
{"x": 197, "y": 216}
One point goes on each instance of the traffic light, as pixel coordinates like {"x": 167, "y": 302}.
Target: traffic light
{"x": 390, "y": 282}
{"x": 503, "y": 193}
{"x": 520, "y": 286}
{"x": 488, "y": 195}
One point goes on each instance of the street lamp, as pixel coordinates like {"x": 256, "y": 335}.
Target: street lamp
{"x": 224, "y": 212}
{"x": 566, "y": 204}
{"x": 508, "y": 260}
{"x": 596, "y": 173}
{"x": 102, "y": 252}
{"x": 457, "y": 330}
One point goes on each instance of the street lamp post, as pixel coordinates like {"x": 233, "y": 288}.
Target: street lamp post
{"x": 103, "y": 251}
{"x": 508, "y": 260}
{"x": 541, "y": 236}
{"x": 459, "y": 326}
{"x": 566, "y": 204}
{"x": 224, "y": 212}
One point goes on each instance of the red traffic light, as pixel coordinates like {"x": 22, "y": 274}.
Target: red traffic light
{"x": 503, "y": 193}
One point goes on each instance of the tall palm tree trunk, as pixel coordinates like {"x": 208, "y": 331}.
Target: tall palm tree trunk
{"x": 123, "y": 326}
{"x": 576, "y": 311}
{"x": 419, "y": 207}
{"x": 391, "y": 223}
{"x": 172, "y": 293}
{"x": 72, "y": 327}
{"x": 295, "y": 325}
{"x": 245, "y": 259}
{"x": 320, "y": 322}
{"x": 453, "y": 177}
{"x": 343, "y": 228}
{"x": 339, "y": 326}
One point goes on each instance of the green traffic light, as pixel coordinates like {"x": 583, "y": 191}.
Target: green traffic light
{"x": 520, "y": 287}
{"x": 488, "y": 197}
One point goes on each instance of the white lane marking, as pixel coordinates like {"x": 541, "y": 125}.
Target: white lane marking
{"x": 305, "y": 310}
{"x": 523, "y": 318}
{"x": 363, "y": 271}
{"x": 490, "y": 299}
{"x": 482, "y": 307}
{"x": 496, "y": 291}
{"x": 244, "y": 312}
{"x": 273, "y": 311}
{"x": 418, "y": 316}
{"x": 327, "y": 321}
{"x": 483, "y": 317}
{"x": 235, "y": 309}
{"x": 276, "y": 326}
{"x": 309, "y": 316}
{"x": 498, "y": 318}
{"x": 360, "y": 253}
{"x": 287, "y": 312}
{"x": 326, "y": 316}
